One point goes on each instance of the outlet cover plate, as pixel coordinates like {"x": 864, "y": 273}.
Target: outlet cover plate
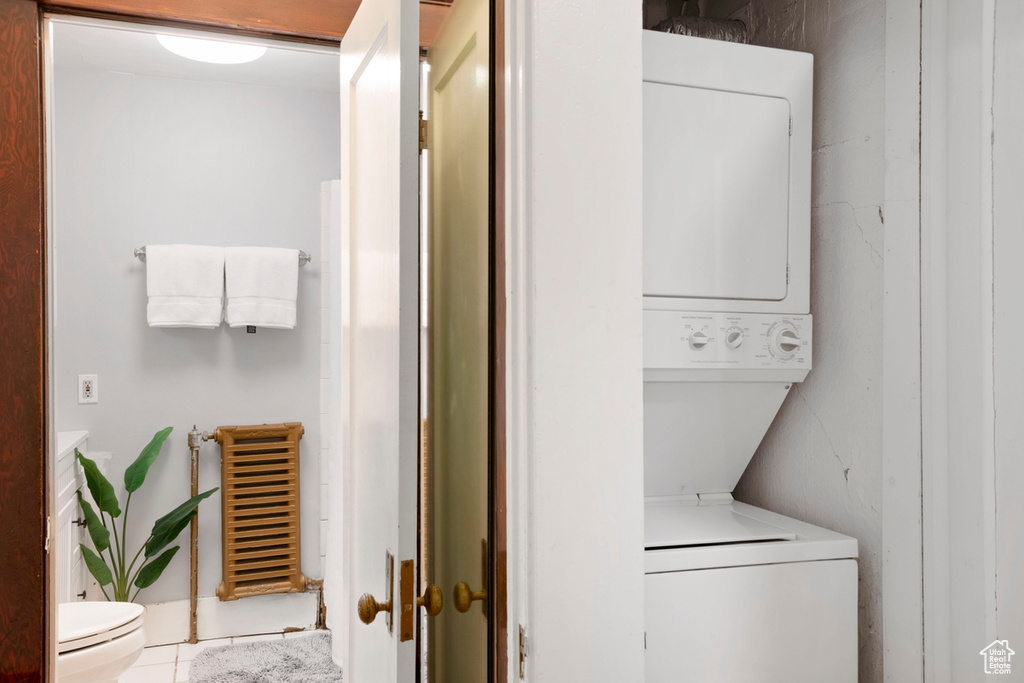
{"x": 88, "y": 389}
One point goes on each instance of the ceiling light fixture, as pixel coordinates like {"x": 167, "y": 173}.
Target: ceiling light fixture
{"x": 212, "y": 51}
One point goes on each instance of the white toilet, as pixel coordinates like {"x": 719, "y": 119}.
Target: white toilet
{"x": 97, "y": 641}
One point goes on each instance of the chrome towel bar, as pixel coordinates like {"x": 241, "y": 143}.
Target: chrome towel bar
{"x": 304, "y": 258}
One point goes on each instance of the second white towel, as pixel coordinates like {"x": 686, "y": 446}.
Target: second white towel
{"x": 262, "y": 286}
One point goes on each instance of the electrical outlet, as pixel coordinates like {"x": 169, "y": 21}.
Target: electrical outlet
{"x": 88, "y": 389}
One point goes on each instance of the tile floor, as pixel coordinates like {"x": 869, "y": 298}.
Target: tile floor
{"x": 170, "y": 663}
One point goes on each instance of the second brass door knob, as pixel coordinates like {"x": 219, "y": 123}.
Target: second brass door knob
{"x": 432, "y": 599}
{"x": 464, "y": 596}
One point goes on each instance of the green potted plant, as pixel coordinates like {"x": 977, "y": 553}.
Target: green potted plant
{"x": 114, "y": 569}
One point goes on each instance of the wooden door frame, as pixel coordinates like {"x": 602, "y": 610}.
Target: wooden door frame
{"x": 26, "y": 573}
{"x": 23, "y": 468}
{"x": 497, "y": 510}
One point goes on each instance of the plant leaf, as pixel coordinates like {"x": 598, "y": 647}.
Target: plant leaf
{"x": 135, "y": 475}
{"x": 97, "y": 532}
{"x": 152, "y": 571}
{"x": 174, "y": 517}
{"x": 97, "y": 567}
{"x": 102, "y": 490}
{"x": 157, "y": 543}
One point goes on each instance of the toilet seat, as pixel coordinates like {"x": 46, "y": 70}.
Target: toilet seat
{"x": 84, "y": 624}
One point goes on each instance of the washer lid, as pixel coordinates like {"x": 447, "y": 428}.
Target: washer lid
{"x": 685, "y": 523}
{"x": 812, "y": 543}
{"x": 80, "y": 624}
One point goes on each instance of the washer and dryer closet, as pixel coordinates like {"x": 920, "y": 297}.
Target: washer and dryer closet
{"x": 732, "y": 592}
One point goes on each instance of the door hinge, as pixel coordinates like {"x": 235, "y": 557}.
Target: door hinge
{"x": 423, "y": 133}
{"x": 787, "y": 273}
{"x": 523, "y": 650}
{"x": 645, "y": 640}
{"x": 790, "y": 126}
{"x": 46, "y": 543}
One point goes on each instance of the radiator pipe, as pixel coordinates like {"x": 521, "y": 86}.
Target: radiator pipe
{"x": 195, "y": 440}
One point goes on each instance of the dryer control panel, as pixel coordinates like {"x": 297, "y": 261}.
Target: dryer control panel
{"x": 721, "y": 341}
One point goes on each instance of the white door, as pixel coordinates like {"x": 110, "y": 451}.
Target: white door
{"x": 376, "y": 321}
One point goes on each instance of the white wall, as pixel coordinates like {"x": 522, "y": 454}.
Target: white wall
{"x": 140, "y": 160}
{"x": 902, "y": 443}
{"x": 973, "y": 398}
{"x": 576, "y": 423}
{"x": 821, "y": 462}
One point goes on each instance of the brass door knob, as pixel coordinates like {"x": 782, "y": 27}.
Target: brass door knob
{"x": 369, "y": 607}
{"x": 432, "y": 599}
{"x": 464, "y": 596}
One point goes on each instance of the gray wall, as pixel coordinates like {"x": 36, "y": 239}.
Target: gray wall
{"x": 140, "y": 160}
{"x": 822, "y": 459}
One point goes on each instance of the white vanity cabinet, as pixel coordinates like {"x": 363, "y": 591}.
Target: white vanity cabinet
{"x": 71, "y": 569}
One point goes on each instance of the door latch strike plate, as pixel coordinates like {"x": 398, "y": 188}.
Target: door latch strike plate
{"x": 407, "y": 604}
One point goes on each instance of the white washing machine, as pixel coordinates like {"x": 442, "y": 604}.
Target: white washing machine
{"x": 733, "y": 593}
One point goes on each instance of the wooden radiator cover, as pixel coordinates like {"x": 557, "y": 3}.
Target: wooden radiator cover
{"x": 260, "y": 493}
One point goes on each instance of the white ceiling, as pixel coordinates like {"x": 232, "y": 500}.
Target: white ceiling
{"x": 133, "y": 48}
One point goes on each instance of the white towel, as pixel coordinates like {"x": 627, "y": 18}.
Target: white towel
{"x": 262, "y": 286}
{"x": 185, "y": 284}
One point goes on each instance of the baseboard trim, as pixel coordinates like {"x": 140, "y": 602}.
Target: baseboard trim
{"x": 166, "y": 623}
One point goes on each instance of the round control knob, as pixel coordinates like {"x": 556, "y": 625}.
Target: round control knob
{"x": 788, "y": 341}
{"x": 734, "y": 337}
{"x": 783, "y": 341}
{"x": 698, "y": 340}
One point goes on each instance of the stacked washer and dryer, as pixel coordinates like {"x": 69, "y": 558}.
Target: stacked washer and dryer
{"x": 733, "y": 592}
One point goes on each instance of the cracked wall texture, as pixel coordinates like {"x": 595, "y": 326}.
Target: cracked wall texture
{"x": 822, "y": 459}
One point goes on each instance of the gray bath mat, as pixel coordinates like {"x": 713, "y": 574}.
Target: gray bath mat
{"x": 306, "y": 659}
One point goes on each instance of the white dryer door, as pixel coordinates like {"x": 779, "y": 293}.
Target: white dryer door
{"x": 716, "y": 193}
